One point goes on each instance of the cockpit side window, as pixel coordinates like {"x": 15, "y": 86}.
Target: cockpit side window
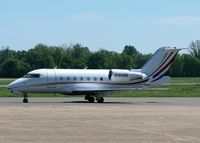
{"x": 32, "y": 76}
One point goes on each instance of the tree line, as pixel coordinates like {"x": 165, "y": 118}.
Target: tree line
{"x": 17, "y": 63}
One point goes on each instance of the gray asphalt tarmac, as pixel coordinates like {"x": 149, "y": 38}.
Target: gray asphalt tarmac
{"x": 109, "y": 101}
{"x": 61, "y": 120}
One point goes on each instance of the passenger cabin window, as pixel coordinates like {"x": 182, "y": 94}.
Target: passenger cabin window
{"x": 88, "y": 78}
{"x": 31, "y": 76}
{"x": 101, "y": 78}
{"x": 74, "y": 78}
{"x": 68, "y": 78}
{"x": 95, "y": 78}
{"x": 81, "y": 78}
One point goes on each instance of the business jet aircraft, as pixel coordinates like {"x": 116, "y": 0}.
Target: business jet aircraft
{"x": 96, "y": 83}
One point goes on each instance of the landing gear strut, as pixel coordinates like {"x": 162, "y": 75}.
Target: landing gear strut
{"x": 25, "y": 100}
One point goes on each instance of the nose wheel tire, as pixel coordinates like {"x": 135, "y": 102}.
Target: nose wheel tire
{"x": 25, "y": 100}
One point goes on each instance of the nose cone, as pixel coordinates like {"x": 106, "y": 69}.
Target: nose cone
{"x": 11, "y": 85}
{"x": 14, "y": 84}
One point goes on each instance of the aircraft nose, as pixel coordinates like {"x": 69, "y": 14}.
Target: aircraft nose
{"x": 11, "y": 85}
{"x": 14, "y": 84}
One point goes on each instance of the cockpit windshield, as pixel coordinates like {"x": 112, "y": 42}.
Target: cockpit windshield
{"x": 31, "y": 76}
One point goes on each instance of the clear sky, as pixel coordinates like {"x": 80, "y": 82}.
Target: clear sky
{"x": 108, "y": 24}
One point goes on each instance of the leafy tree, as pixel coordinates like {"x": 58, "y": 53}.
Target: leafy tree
{"x": 40, "y": 57}
{"x": 17, "y": 63}
{"x": 125, "y": 62}
{"x": 140, "y": 60}
{"x": 195, "y": 49}
{"x": 6, "y": 54}
{"x": 177, "y": 67}
{"x": 130, "y": 50}
{"x": 191, "y": 66}
{"x": 96, "y": 61}
{"x": 128, "y": 58}
{"x": 14, "y": 68}
{"x": 80, "y": 55}
{"x": 57, "y": 53}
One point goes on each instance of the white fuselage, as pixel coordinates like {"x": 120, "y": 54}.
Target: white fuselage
{"x": 78, "y": 81}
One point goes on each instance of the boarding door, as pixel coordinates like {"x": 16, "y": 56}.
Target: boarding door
{"x": 51, "y": 78}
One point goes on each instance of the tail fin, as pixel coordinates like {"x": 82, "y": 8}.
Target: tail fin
{"x": 160, "y": 62}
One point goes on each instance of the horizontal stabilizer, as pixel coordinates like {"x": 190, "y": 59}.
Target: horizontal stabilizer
{"x": 159, "y": 81}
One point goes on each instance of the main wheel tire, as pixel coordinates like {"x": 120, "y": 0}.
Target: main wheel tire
{"x": 91, "y": 99}
{"x": 87, "y": 97}
{"x": 25, "y": 100}
{"x": 100, "y": 100}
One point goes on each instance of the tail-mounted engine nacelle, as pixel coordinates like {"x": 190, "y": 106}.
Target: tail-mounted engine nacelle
{"x": 125, "y": 75}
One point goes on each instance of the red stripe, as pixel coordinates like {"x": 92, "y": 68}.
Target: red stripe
{"x": 57, "y": 83}
{"x": 161, "y": 65}
{"x": 166, "y": 66}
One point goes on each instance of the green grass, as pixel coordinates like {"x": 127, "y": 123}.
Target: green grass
{"x": 178, "y": 87}
{"x": 165, "y": 91}
{"x": 5, "y": 81}
{"x": 185, "y": 80}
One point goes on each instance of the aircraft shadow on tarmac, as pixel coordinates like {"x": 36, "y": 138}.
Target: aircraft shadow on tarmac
{"x": 77, "y": 102}
{"x": 86, "y": 102}
{"x": 114, "y": 102}
{"x": 105, "y": 103}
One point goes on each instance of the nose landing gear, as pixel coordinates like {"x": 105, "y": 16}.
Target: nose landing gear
{"x": 25, "y": 100}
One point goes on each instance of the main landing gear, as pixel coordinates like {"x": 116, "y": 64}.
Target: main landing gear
{"x": 25, "y": 100}
{"x": 91, "y": 99}
{"x": 100, "y": 99}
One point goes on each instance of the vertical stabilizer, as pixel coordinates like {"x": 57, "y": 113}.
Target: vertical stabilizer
{"x": 160, "y": 62}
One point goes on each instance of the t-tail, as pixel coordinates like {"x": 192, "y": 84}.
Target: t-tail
{"x": 159, "y": 64}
